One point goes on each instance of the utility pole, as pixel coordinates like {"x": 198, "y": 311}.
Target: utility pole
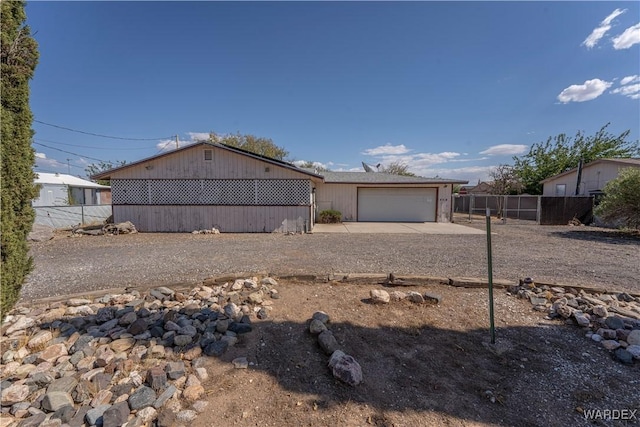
{"x": 68, "y": 167}
{"x": 177, "y": 142}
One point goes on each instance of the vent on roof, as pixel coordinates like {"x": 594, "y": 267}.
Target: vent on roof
{"x": 208, "y": 154}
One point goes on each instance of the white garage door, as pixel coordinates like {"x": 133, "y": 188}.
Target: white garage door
{"x": 397, "y": 204}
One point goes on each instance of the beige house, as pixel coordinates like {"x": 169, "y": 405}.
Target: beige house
{"x": 207, "y": 185}
{"x": 594, "y": 177}
{"x": 382, "y": 197}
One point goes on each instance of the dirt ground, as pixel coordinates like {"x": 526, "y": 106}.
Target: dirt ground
{"x": 423, "y": 365}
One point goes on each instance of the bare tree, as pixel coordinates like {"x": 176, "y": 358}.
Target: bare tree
{"x": 505, "y": 181}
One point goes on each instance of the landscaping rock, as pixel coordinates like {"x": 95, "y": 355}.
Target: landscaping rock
{"x": 634, "y": 337}
{"x": 327, "y": 342}
{"x": 379, "y": 296}
{"x": 55, "y": 400}
{"x": 345, "y": 368}
{"x": 142, "y": 397}
{"x": 94, "y": 416}
{"x": 116, "y": 415}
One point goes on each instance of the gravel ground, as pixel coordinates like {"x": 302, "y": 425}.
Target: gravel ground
{"x": 561, "y": 254}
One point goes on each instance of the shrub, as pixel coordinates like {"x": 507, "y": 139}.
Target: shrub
{"x": 329, "y": 216}
{"x": 621, "y": 202}
{"x": 19, "y": 58}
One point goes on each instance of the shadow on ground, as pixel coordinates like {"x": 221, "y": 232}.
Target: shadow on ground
{"x": 610, "y": 237}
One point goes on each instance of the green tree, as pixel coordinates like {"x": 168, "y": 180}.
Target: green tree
{"x": 621, "y": 200}
{"x": 18, "y": 60}
{"x": 561, "y": 153}
{"x": 95, "y": 168}
{"x": 396, "y": 168}
{"x": 258, "y": 145}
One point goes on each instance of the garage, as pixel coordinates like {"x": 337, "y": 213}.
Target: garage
{"x": 397, "y": 204}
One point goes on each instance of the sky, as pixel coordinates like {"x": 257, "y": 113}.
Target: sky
{"x": 452, "y": 89}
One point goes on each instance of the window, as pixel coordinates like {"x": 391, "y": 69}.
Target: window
{"x": 561, "y": 189}
{"x": 208, "y": 154}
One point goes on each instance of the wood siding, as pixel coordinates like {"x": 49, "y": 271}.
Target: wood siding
{"x": 594, "y": 178}
{"x": 227, "y": 219}
{"x": 190, "y": 164}
{"x": 344, "y": 198}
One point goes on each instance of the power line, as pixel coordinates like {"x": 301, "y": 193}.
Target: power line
{"x": 69, "y": 152}
{"x": 100, "y": 135}
{"x": 86, "y": 146}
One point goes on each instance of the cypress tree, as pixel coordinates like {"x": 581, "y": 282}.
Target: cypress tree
{"x": 18, "y": 59}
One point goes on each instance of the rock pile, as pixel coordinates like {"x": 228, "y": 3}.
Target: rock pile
{"x": 129, "y": 359}
{"x": 344, "y": 367}
{"x": 206, "y": 231}
{"x": 380, "y": 296}
{"x": 613, "y": 320}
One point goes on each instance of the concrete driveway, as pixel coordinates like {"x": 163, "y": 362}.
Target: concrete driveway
{"x": 395, "y": 228}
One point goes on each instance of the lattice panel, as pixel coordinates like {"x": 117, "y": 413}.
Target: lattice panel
{"x": 174, "y": 191}
{"x": 269, "y": 192}
{"x": 129, "y": 192}
{"x": 282, "y": 192}
{"x": 228, "y": 192}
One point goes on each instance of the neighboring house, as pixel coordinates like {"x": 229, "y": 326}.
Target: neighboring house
{"x": 595, "y": 176}
{"x": 207, "y": 185}
{"x": 58, "y": 189}
{"x": 482, "y": 188}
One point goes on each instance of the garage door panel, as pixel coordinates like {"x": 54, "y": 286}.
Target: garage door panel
{"x": 397, "y": 204}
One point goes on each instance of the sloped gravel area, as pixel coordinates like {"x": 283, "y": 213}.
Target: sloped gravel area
{"x": 560, "y": 254}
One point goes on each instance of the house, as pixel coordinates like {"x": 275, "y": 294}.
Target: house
{"x": 594, "y": 177}
{"x": 483, "y": 188}
{"x": 209, "y": 184}
{"x": 58, "y": 189}
{"x": 366, "y": 196}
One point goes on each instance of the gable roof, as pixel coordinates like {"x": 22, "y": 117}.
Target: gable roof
{"x": 382, "y": 178}
{"x": 63, "y": 179}
{"x": 622, "y": 162}
{"x": 107, "y": 174}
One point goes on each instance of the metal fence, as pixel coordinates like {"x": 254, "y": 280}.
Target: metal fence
{"x": 514, "y": 207}
{"x": 67, "y": 216}
{"x": 544, "y": 210}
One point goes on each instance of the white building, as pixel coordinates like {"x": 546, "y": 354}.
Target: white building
{"x": 58, "y": 189}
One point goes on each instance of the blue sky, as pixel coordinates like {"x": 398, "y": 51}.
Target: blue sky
{"x": 450, "y": 88}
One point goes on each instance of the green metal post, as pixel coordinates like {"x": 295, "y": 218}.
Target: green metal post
{"x": 489, "y": 260}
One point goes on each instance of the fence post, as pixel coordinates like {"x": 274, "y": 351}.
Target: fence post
{"x": 539, "y": 210}
{"x": 470, "y": 205}
{"x": 504, "y": 214}
{"x": 82, "y": 213}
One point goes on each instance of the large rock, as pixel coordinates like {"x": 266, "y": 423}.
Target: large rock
{"x": 55, "y": 400}
{"x": 52, "y": 353}
{"x": 327, "y": 342}
{"x": 116, "y": 415}
{"x": 316, "y": 327}
{"x": 141, "y": 398}
{"x": 94, "y": 416}
{"x": 345, "y": 368}
{"x": 14, "y": 394}
{"x": 634, "y": 337}
{"x": 40, "y": 340}
{"x": 379, "y": 296}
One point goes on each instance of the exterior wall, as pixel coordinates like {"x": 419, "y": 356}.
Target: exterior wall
{"x": 593, "y": 178}
{"x": 190, "y": 164}
{"x": 227, "y": 219}
{"x": 52, "y": 195}
{"x": 344, "y": 198}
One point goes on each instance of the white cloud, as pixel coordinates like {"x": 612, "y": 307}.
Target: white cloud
{"x": 198, "y": 136}
{"x": 602, "y": 29}
{"x": 630, "y": 79}
{"x": 628, "y": 38}
{"x": 505, "y": 149}
{"x": 41, "y": 156}
{"x": 632, "y": 91}
{"x": 590, "y": 89}
{"x": 471, "y": 174}
{"x": 170, "y": 144}
{"x": 315, "y": 164}
{"x": 386, "y": 149}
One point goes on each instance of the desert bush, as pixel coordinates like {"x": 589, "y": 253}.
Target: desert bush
{"x": 330, "y": 216}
